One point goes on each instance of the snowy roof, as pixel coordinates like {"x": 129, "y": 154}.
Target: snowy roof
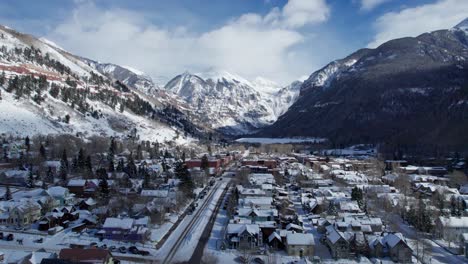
{"x": 155, "y": 193}
{"x": 16, "y": 174}
{"x": 256, "y": 201}
{"x": 273, "y": 236}
{"x": 257, "y": 212}
{"x": 57, "y": 191}
{"x": 393, "y": 239}
{"x": 239, "y": 228}
{"x": 454, "y": 221}
{"x": 294, "y": 226}
{"x": 76, "y": 183}
{"x": 124, "y": 223}
{"x": 300, "y": 239}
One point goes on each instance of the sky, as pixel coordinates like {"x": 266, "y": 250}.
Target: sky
{"x": 281, "y": 40}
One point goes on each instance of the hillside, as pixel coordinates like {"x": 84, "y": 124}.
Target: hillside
{"x": 48, "y": 90}
{"x": 409, "y": 91}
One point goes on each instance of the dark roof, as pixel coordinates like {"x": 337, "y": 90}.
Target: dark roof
{"x": 78, "y": 254}
{"x": 56, "y": 261}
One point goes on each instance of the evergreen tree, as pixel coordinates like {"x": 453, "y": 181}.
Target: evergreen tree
{"x": 42, "y": 152}
{"x": 81, "y": 161}
{"x": 64, "y": 160}
{"x": 101, "y": 173}
{"x": 357, "y": 195}
{"x": 139, "y": 153}
{"x": 120, "y": 165}
{"x": 2, "y": 78}
{"x": 27, "y": 143}
{"x": 88, "y": 165}
{"x": 111, "y": 166}
{"x": 111, "y": 152}
{"x": 131, "y": 168}
{"x": 104, "y": 187}
{"x": 146, "y": 180}
{"x": 7, "y": 196}
{"x": 183, "y": 174}
{"x": 183, "y": 156}
{"x": 205, "y": 165}
{"x": 30, "y": 182}
{"x": 50, "y": 175}
{"x": 164, "y": 165}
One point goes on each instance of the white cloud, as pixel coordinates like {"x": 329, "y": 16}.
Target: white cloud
{"x": 249, "y": 45}
{"x": 298, "y": 13}
{"x": 368, "y": 5}
{"x": 411, "y": 22}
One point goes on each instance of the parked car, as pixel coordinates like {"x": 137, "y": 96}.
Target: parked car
{"x": 112, "y": 248}
{"x": 10, "y": 237}
{"x": 1, "y": 235}
{"x": 123, "y": 250}
{"x": 40, "y": 240}
{"x": 133, "y": 250}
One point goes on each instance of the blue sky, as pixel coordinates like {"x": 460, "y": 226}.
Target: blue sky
{"x": 282, "y": 40}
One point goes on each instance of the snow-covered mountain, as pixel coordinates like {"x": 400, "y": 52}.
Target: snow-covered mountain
{"x": 45, "y": 90}
{"x": 408, "y": 92}
{"x": 230, "y": 103}
{"x": 127, "y": 75}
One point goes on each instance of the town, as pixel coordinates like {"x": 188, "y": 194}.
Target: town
{"x": 112, "y": 200}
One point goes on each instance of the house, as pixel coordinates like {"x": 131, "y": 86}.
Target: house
{"x": 275, "y": 241}
{"x": 214, "y": 165}
{"x": 261, "y": 178}
{"x": 391, "y": 245}
{"x": 53, "y": 166}
{"x": 301, "y": 245}
{"x": 256, "y": 202}
{"x": 249, "y": 192}
{"x": 90, "y": 255}
{"x": 19, "y": 213}
{"x": 61, "y": 195}
{"x": 123, "y": 229}
{"x": 270, "y": 164}
{"x": 258, "y": 215}
{"x": 244, "y": 236}
{"x": 338, "y": 242}
{"x": 14, "y": 177}
{"x": 88, "y": 204}
{"x": 77, "y": 186}
{"x": 450, "y": 228}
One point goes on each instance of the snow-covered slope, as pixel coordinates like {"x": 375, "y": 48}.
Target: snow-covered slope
{"x": 47, "y": 90}
{"x": 230, "y": 103}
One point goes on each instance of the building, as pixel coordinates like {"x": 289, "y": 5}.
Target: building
{"x": 90, "y": 255}
{"x": 123, "y": 229}
{"x": 301, "y": 245}
{"x": 214, "y": 165}
{"x": 244, "y": 236}
{"x": 391, "y": 245}
{"x": 451, "y": 228}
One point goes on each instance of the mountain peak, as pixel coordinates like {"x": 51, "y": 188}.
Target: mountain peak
{"x": 264, "y": 85}
{"x": 220, "y": 75}
{"x": 463, "y": 25}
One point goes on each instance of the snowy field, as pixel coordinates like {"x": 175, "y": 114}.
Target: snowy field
{"x": 280, "y": 140}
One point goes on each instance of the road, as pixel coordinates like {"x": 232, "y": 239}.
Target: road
{"x": 184, "y": 240}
